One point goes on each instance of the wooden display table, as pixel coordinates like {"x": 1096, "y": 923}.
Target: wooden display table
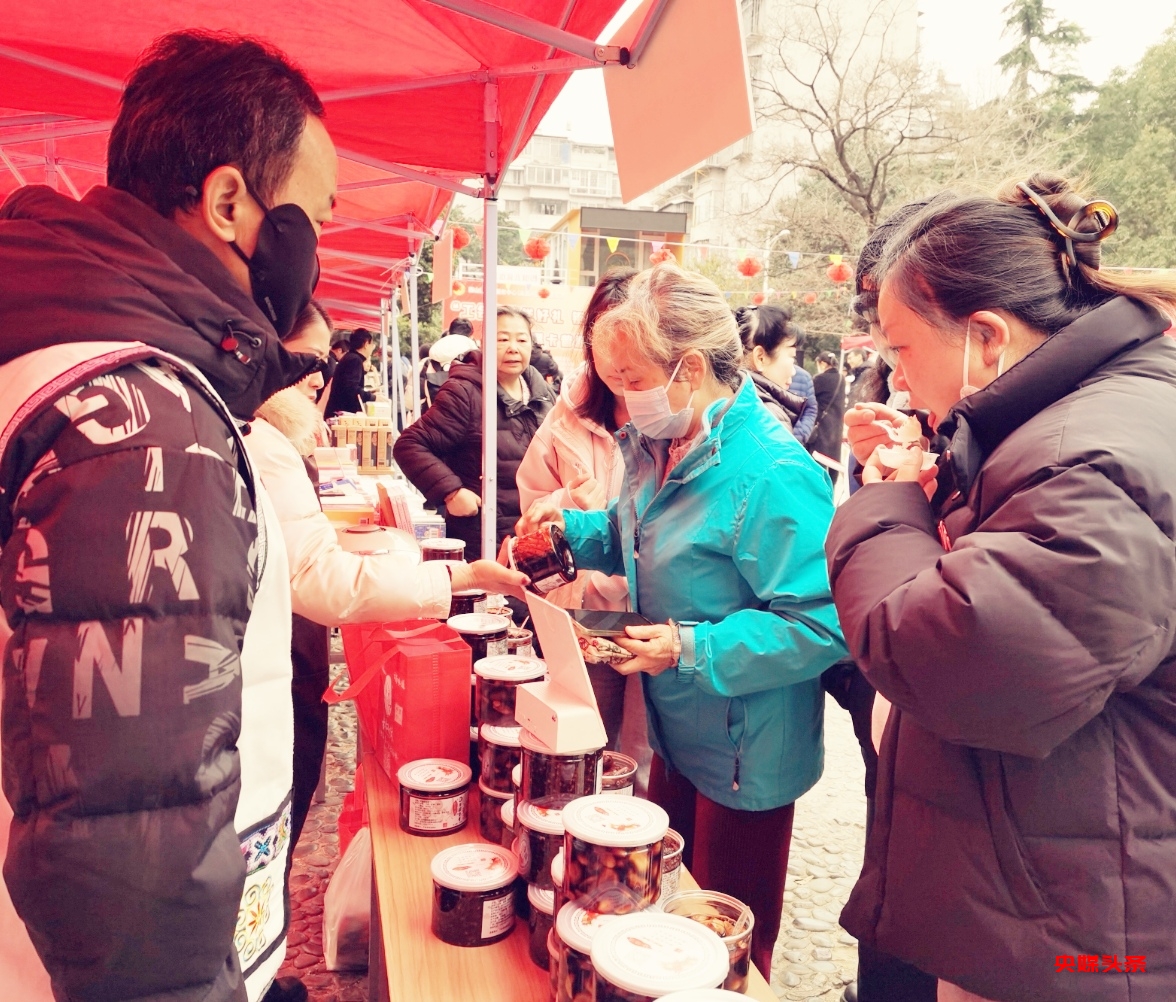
{"x": 408, "y": 963}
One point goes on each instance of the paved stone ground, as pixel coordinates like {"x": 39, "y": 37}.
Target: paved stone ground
{"x": 314, "y": 862}
{"x": 815, "y": 958}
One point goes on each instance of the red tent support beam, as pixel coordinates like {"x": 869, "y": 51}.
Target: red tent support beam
{"x": 64, "y": 69}
{"x": 55, "y": 132}
{"x": 527, "y": 27}
{"x": 410, "y": 172}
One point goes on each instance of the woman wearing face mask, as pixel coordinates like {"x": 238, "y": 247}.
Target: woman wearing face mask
{"x": 1025, "y": 832}
{"x": 574, "y": 462}
{"x": 329, "y": 585}
{"x": 733, "y": 578}
{"x": 442, "y": 453}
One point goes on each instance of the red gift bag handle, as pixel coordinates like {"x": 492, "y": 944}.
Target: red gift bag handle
{"x": 416, "y": 638}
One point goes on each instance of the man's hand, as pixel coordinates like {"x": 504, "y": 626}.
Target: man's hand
{"x": 652, "y": 648}
{"x": 463, "y": 503}
{"x": 911, "y": 471}
{"x": 868, "y": 426}
{"x": 540, "y": 513}
{"x": 489, "y": 576}
{"x": 588, "y": 492}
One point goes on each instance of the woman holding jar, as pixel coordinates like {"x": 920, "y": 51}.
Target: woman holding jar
{"x": 718, "y": 529}
{"x": 1025, "y": 829}
{"x": 574, "y": 462}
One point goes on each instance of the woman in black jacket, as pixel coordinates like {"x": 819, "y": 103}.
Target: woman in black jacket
{"x": 441, "y": 454}
{"x": 1024, "y": 840}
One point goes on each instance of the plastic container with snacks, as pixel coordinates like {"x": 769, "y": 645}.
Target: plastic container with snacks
{"x": 619, "y": 774}
{"x": 639, "y": 958}
{"x": 490, "y": 815}
{"x": 729, "y": 918}
{"x": 539, "y": 832}
{"x": 484, "y": 634}
{"x": 443, "y": 549}
{"x": 553, "y": 962}
{"x": 498, "y": 682}
{"x": 545, "y": 557}
{"x": 434, "y": 796}
{"x": 575, "y": 928}
{"x": 516, "y": 780}
{"x": 568, "y": 774}
{"x": 473, "y": 894}
{"x": 672, "y": 847}
{"x": 540, "y": 922}
{"x": 614, "y": 844}
{"x": 508, "y": 823}
{"x": 557, "y": 880}
{"x": 498, "y": 751}
{"x": 465, "y": 603}
{"x": 520, "y": 642}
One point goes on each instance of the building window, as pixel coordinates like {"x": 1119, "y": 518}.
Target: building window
{"x": 511, "y": 205}
{"x": 552, "y": 177}
{"x": 515, "y": 176}
{"x": 592, "y": 182}
{"x": 751, "y": 16}
{"x": 550, "y": 208}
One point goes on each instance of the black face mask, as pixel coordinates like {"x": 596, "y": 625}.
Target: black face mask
{"x": 284, "y": 268}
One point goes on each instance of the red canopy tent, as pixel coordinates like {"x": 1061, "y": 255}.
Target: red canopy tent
{"x": 420, "y": 95}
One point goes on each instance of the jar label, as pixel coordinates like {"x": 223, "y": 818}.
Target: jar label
{"x": 436, "y": 814}
{"x": 624, "y": 791}
{"x": 549, "y": 583}
{"x": 495, "y": 648}
{"x": 481, "y": 606}
{"x": 526, "y": 651}
{"x": 497, "y": 916}
{"x": 669, "y": 882}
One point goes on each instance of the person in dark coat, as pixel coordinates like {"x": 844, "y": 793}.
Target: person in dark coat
{"x": 347, "y": 392}
{"x": 441, "y": 454}
{"x": 829, "y": 388}
{"x": 769, "y": 352}
{"x": 1024, "y": 844}
{"x": 544, "y": 362}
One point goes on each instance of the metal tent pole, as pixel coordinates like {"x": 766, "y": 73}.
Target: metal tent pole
{"x": 490, "y": 380}
{"x": 384, "y": 388}
{"x": 414, "y": 335}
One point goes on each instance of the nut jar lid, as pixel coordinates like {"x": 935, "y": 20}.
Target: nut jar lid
{"x": 516, "y": 774}
{"x": 625, "y": 822}
{"x": 532, "y": 743}
{"x": 493, "y": 794}
{"x": 510, "y": 667}
{"x": 475, "y": 866}
{"x": 655, "y": 954}
{"x": 507, "y": 813}
{"x": 541, "y": 898}
{"x": 443, "y": 544}
{"x": 557, "y": 869}
{"x": 577, "y": 927}
{"x": 468, "y": 591}
{"x": 434, "y": 775}
{"x": 506, "y": 737}
{"x": 545, "y": 815}
{"x": 478, "y": 623}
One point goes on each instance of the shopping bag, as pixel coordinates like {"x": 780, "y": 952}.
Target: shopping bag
{"x": 347, "y": 907}
{"x": 353, "y": 814}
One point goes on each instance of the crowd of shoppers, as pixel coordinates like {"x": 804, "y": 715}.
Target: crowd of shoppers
{"x": 1004, "y": 589}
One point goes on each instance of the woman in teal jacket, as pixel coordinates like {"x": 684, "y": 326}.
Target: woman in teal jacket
{"x": 720, "y": 529}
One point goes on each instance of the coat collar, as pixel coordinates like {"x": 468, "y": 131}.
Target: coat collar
{"x": 979, "y": 423}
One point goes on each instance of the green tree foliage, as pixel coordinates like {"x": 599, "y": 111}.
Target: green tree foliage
{"x": 1035, "y": 29}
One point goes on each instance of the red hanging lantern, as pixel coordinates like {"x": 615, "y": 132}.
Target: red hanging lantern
{"x": 537, "y": 248}
{"x": 461, "y": 238}
{"x": 663, "y": 256}
{"x": 839, "y": 273}
{"x": 544, "y": 292}
{"x": 749, "y": 267}
{"x": 810, "y": 298}
{"x": 459, "y": 288}
{"x": 758, "y": 299}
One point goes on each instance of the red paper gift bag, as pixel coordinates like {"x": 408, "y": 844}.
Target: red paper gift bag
{"x": 411, "y": 689}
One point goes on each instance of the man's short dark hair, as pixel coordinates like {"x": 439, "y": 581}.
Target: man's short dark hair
{"x": 199, "y": 100}
{"x": 460, "y": 325}
{"x": 359, "y": 339}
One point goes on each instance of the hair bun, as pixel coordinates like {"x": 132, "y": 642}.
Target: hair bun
{"x": 1082, "y": 225}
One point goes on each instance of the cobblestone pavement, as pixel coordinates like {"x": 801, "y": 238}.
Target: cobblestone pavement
{"x": 815, "y": 958}
{"x": 314, "y": 862}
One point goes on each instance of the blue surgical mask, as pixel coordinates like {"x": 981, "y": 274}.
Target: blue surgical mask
{"x": 652, "y": 415}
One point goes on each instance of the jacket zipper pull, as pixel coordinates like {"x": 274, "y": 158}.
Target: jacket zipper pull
{"x": 735, "y": 783}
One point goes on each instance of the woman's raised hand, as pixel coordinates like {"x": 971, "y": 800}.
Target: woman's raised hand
{"x": 868, "y": 426}
{"x": 540, "y": 513}
{"x": 588, "y": 492}
{"x": 489, "y": 576}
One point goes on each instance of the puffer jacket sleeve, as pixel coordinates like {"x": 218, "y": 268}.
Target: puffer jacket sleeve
{"x": 423, "y": 446}
{"x": 127, "y": 581}
{"x": 802, "y": 386}
{"x": 1015, "y": 638}
{"x": 595, "y": 538}
{"x": 778, "y": 549}
{"x": 329, "y": 585}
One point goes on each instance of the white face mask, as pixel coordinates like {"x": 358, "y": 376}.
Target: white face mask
{"x": 650, "y": 411}
{"x": 967, "y": 389}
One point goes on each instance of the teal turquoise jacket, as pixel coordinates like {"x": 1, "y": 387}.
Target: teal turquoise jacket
{"x": 734, "y": 542}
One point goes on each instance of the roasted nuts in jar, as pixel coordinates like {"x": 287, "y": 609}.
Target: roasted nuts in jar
{"x": 539, "y": 832}
{"x": 614, "y": 844}
{"x": 463, "y": 603}
{"x": 498, "y": 751}
{"x": 490, "y": 815}
{"x": 672, "y": 846}
{"x": 443, "y": 549}
{"x": 516, "y": 780}
{"x": 619, "y": 775}
{"x": 434, "y": 796}
{"x": 508, "y": 823}
{"x": 729, "y": 918}
{"x": 642, "y": 957}
{"x": 557, "y": 880}
{"x": 575, "y": 928}
{"x": 519, "y": 642}
{"x": 498, "y": 682}
{"x": 568, "y": 774}
{"x": 473, "y": 894}
{"x": 553, "y": 962}
{"x": 545, "y": 557}
{"x": 484, "y": 634}
{"x": 540, "y": 922}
